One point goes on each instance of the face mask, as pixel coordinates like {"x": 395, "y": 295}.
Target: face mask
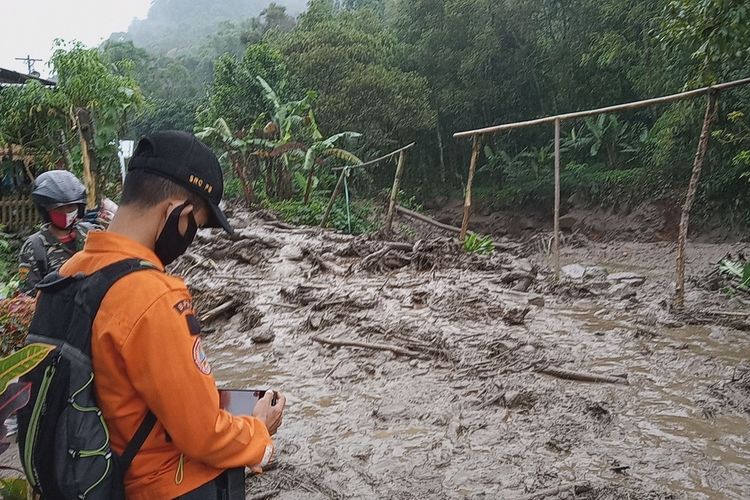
{"x": 63, "y": 220}
{"x": 171, "y": 244}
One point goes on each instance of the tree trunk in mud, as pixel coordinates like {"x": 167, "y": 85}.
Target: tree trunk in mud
{"x": 284, "y": 183}
{"x": 308, "y": 185}
{"x": 65, "y": 151}
{"x": 441, "y": 150}
{"x": 82, "y": 119}
{"x": 711, "y": 109}
{"x": 269, "y": 187}
{"x": 247, "y": 190}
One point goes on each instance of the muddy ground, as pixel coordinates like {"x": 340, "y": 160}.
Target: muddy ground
{"x": 465, "y": 408}
{"x": 468, "y": 402}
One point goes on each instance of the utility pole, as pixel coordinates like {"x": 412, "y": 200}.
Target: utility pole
{"x": 29, "y": 64}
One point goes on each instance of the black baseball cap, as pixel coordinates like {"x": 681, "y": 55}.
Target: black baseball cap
{"x": 183, "y": 159}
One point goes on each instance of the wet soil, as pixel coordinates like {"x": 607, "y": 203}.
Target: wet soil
{"x": 459, "y": 407}
{"x": 463, "y": 410}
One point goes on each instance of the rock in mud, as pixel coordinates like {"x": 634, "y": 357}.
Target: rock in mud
{"x": 629, "y": 278}
{"x": 263, "y": 336}
{"x": 594, "y": 272}
{"x": 567, "y": 222}
{"x": 292, "y": 252}
{"x": 573, "y": 271}
{"x": 622, "y": 291}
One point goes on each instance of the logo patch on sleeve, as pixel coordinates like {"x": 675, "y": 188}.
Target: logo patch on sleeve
{"x": 200, "y": 358}
{"x": 183, "y": 306}
{"x": 194, "y": 324}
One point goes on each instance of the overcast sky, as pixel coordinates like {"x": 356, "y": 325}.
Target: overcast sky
{"x": 29, "y": 27}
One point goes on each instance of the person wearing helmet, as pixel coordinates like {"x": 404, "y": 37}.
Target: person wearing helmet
{"x": 60, "y": 199}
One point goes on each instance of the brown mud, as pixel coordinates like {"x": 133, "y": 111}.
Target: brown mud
{"x": 463, "y": 388}
{"x": 457, "y": 405}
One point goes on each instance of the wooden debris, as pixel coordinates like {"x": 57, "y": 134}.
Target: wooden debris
{"x": 225, "y": 308}
{"x": 426, "y": 220}
{"x": 575, "y": 488}
{"x": 366, "y": 345}
{"x": 264, "y": 495}
{"x": 582, "y": 377}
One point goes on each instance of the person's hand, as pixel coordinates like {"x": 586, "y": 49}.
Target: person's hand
{"x": 269, "y": 414}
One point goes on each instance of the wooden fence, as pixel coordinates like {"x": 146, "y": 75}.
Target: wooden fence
{"x": 17, "y": 212}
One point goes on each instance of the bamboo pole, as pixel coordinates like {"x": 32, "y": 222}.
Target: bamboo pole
{"x": 394, "y": 191}
{"x": 334, "y": 195}
{"x": 377, "y": 160}
{"x": 467, "y": 198}
{"x": 426, "y": 220}
{"x": 609, "y": 109}
{"x": 557, "y": 199}
{"x": 700, "y": 154}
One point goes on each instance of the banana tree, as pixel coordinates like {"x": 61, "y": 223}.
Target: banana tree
{"x": 241, "y": 150}
{"x": 323, "y": 149}
{"x": 290, "y": 123}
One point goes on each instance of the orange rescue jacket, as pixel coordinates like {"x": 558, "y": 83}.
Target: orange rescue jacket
{"x": 147, "y": 354}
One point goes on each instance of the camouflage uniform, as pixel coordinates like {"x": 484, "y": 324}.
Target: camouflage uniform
{"x": 31, "y": 271}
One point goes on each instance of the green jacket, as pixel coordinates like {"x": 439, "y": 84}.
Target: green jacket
{"x": 43, "y": 253}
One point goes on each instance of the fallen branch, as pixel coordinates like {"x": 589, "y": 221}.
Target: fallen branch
{"x": 575, "y": 488}
{"x": 264, "y": 495}
{"x": 737, "y": 314}
{"x": 366, "y": 345}
{"x": 218, "y": 311}
{"x": 583, "y": 377}
{"x": 426, "y": 220}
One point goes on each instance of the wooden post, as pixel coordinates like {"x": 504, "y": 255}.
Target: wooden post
{"x": 557, "y": 198}
{"x": 700, "y": 154}
{"x": 394, "y": 192}
{"x": 334, "y": 195}
{"x": 469, "y": 182}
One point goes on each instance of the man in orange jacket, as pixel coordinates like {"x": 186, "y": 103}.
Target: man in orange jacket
{"x": 145, "y": 345}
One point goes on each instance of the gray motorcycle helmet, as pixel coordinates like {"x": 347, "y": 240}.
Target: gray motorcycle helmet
{"x": 57, "y": 188}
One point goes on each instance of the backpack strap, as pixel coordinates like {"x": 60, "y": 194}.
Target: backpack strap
{"x": 40, "y": 253}
{"x": 89, "y": 299}
{"x": 131, "y": 450}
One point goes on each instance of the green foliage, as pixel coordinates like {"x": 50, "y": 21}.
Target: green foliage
{"x": 482, "y": 245}
{"x": 21, "y": 362}
{"x": 363, "y": 218}
{"x": 715, "y": 32}
{"x": 14, "y": 489}
{"x": 236, "y": 94}
{"x": 8, "y": 267}
{"x": 351, "y": 60}
{"x": 739, "y": 271}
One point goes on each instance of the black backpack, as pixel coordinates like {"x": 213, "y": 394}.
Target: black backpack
{"x": 63, "y": 439}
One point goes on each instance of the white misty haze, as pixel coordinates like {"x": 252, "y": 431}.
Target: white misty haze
{"x": 29, "y": 27}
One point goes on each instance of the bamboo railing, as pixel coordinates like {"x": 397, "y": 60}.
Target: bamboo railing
{"x": 17, "y": 212}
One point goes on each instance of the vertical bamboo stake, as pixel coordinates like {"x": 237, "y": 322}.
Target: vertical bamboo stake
{"x": 308, "y": 185}
{"x": 394, "y": 191}
{"x": 700, "y": 154}
{"x": 334, "y": 195}
{"x": 557, "y": 198}
{"x": 469, "y": 182}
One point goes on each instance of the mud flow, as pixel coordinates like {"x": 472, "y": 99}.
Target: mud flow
{"x": 466, "y": 376}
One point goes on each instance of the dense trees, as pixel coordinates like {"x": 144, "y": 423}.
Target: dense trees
{"x": 403, "y": 70}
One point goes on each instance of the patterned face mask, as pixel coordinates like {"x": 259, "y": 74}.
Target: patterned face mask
{"x": 64, "y": 220}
